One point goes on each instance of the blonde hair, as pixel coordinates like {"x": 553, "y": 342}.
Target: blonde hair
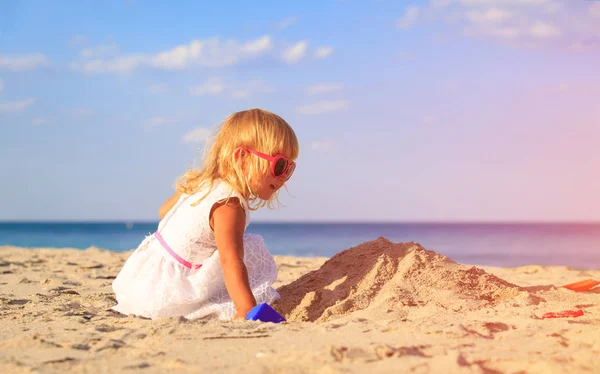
{"x": 258, "y": 129}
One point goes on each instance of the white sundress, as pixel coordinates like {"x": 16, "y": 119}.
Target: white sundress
{"x": 176, "y": 271}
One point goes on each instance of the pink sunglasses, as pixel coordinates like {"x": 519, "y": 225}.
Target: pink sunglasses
{"x": 281, "y": 167}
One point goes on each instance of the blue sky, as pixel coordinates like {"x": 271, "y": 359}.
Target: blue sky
{"x": 442, "y": 110}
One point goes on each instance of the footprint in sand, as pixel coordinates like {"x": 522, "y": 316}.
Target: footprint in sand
{"x": 112, "y": 344}
{"x": 17, "y": 301}
{"x": 81, "y": 347}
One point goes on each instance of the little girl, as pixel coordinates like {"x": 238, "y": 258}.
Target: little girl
{"x": 199, "y": 263}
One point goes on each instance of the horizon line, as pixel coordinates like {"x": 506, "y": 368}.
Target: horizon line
{"x": 469, "y": 222}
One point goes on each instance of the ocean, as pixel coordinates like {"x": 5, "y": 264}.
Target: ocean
{"x": 497, "y": 244}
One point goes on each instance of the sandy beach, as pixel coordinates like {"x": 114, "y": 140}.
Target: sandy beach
{"x": 379, "y": 307}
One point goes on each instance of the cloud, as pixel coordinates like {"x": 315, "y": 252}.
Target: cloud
{"x": 429, "y": 118}
{"x": 197, "y": 135}
{"x": 16, "y": 106}
{"x": 253, "y": 87}
{"x": 158, "y": 88}
{"x": 207, "y": 53}
{"x": 496, "y": 2}
{"x": 78, "y": 40}
{"x": 492, "y": 15}
{"x": 321, "y": 88}
{"x": 405, "y": 56}
{"x": 323, "y": 52}
{"x": 98, "y": 51}
{"x": 215, "y": 86}
{"x": 295, "y": 53}
{"x": 1, "y": 85}
{"x": 543, "y": 30}
{"x": 324, "y": 145}
{"x": 526, "y": 23}
{"x": 321, "y": 107}
{"x": 410, "y": 17}
{"x": 212, "y": 86}
{"x": 23, "y": 62}
{"x": 41, "y": 121}
{"x": 594, "y": 10}
{"x": 285, "y": 23}
{"x": 159, "y": 121}
{"x": 583, "y": 46}
{"x": 122, "y": 65}
{"x": 451, "y": 85}
{"x": 81, "y": 113}
{"x": 210, "y": 53}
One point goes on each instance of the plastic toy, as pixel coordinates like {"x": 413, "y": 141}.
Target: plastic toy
{"x": 263, "y": 312}
{"x": 563, "y": 314}
{"x": 582, "y": 286}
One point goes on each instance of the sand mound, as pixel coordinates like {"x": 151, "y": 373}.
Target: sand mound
{"x": 381, "y": 277}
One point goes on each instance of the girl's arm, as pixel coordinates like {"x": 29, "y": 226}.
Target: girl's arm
{"x": 228, "y": 220}
{"x": 167, "y": 205}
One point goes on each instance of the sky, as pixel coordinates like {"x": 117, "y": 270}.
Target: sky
{"x": 427, "y": 111}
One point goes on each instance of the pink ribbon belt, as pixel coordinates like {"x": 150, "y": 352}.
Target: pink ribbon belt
{"x": 183, "y": 262}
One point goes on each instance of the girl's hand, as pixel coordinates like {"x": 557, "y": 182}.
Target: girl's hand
{"x": 241, "y": 313}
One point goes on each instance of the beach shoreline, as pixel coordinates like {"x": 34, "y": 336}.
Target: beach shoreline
{"x": 56, "y": 317}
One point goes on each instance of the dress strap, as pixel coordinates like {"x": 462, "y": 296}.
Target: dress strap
{"x": 183, "y": 262}
{"x": 164, "y": 244}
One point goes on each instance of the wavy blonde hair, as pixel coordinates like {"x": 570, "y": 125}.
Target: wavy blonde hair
{"x": 258, "y": 129}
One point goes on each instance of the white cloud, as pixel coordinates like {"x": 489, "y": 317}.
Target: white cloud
{"x": 295, "y": 53}
{"x": 506, "y": 32}
{"x": 543, "y": 30}
{"x": 594, "y": 10}
{"x": 579, "y": 46}
{"x": 1, "y": 85}
{"x": 429, "y": 118}
{"x": 321, "y": 107}
{"x": 98, "y": 51}
{"x": 41, "y": 121}
{"x": 78, "y": 40}
{"x": 451, "y": 85}
{"x": 323, "y": 52}
{"x": 502, "y": 32}
{"x": 285, "y": 23}
{"x": 158, "y": 88}
{"x": 497, "y": 2}
{"x": 23, "y": 62}
{"x": 197, "y": 135}
{"x": 492, "y": 15}
{"x": 257, "y": 46}
{"x": 405, "y": 56}
{"x": 521, "y": 23}
{"x": 253, "y": 87}
{"x": 410, "y": 17}
{"x": 16, "y": 106}
{"x": 440, "y": 3}
{"x": 321, "y": 88}
{"x": 208, "y": 53}
{"x": 122, "y": 65}
{"x": 212, "y": 86}
{"x": 160, "y": 121}
{"x": 81, "y": 113}
{"x": 324, "y": 145}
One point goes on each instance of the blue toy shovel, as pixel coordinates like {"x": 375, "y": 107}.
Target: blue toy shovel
{"x": 263, "y": 312}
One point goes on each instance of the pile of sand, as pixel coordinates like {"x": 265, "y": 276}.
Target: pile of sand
{"x": 381, "y": 277}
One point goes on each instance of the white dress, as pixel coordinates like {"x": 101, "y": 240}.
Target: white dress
{"x": 154, "y": 284}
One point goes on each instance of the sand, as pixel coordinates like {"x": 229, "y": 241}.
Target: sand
{"x": 379, "y": 307}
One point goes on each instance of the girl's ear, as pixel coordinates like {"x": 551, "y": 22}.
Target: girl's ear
{"x": 239, "y": 153}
